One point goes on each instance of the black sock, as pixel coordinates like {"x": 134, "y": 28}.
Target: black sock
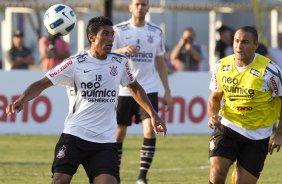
{"x": 146, "y": 156}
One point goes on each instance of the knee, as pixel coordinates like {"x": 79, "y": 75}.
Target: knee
{"x": 149, "y": 131}
{"x": 217, "y": 177}
{"x": 61, "y": 178}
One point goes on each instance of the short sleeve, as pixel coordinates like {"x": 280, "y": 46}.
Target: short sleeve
{"x": 127, "y": 76}
{"x": 62, "y": 74}
{"x": 161, "y": 47}
{"x": 273, "y": 77}
{"x": 214, "y": 84}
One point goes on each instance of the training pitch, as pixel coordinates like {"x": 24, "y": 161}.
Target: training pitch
{"x": 179, "y": 160}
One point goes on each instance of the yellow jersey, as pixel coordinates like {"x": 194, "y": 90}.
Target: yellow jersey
{"x": 245, "y": 101}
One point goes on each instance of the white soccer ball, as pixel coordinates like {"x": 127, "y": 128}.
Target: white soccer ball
{"x": 59, "y": 20}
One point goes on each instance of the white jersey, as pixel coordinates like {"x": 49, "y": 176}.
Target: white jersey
{"x": 271, "y": 81}
{"x": 92, "y": 88}
{"x": 149, "y": 40}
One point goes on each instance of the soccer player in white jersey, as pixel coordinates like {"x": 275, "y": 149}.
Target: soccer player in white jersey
{"x": 143, "y": 43}
{"x": 251, "y": 86}
{"x": 92, "y": 80}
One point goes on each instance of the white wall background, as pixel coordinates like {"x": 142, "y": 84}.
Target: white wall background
{"x": 188, "y": 115}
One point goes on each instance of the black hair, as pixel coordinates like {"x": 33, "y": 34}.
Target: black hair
{"x": 224, "y": 28}
{"x": 95, "y": 23}
{"x": 190, "y": 29}
{"x": 252, "y": 30}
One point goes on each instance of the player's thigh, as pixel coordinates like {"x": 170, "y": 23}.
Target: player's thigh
{"x": 67, "y": 156}
{"x": 219, "y": 166}
{"x": 59, "y": 178}
{"x": 252, "y": 155}
{"x": 222, "y": 151}
{"x": 102, "y": 160}
{"x": 223, "y": 143}
{"x": 105, "y": 179}
{"x": 244, "y": 176}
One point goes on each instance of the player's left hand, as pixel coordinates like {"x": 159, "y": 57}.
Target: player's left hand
{"x": 275, "y": 143}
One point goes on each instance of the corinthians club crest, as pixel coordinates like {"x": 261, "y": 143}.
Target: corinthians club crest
{"x": 212, "y": 144}
{"x": 113, "y": 71}
{"x": 62, "y": 152}
{"x": 150, "y": 39}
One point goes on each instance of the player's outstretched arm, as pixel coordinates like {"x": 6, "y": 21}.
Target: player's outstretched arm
{"x": 276, "y": 141}
{"x": 30, "y": 93}
{"x": 142, "y": 99}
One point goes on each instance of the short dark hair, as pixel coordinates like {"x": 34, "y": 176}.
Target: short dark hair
{"x": 18, "y": 33}
{"x": 252, "y": 30}
{"x": 223, "y": 28}
{"x": 189, "y": 29}
{"x": 95, "y": 23}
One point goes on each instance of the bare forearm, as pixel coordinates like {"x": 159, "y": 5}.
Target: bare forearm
{"x": 162, "y": 70}
{"x": 120, "y": 51}
{"x": 175, "y": 52}
{"x": 213, "y": 106}
{"x": 141, "y": 97}
{"x": 34, "y": 90}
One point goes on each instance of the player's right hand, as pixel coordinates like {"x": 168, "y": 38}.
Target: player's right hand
{"x": 131, "y": 50}
{"x": 214, "y": 121}
{"x": 158, "y": 124}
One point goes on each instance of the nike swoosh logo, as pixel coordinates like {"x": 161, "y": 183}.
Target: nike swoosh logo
{"x": 65, "y": 15}
{"x": 86, "y": 71}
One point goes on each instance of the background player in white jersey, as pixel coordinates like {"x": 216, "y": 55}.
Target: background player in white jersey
{"x": 143, "y": 43}
{"x": 92, "y": 79}
{"x": 251, "y": 85}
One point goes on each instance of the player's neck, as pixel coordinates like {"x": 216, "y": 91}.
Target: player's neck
{"x": 138, "y": 22}
{"x": 245, "y": 62}
{"x": 98, "y": 55}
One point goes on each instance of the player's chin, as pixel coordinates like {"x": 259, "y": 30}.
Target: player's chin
{"x": 239, "y": 56}
{"x": 108, "y": 48}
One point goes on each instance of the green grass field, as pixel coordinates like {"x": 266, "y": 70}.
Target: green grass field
{"x": 178, "y": 160}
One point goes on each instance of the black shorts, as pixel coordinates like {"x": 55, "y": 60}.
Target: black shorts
{"x": 251, "y": 154}
{"x": 96, "y": 158}
{"x": 128, "y": 107}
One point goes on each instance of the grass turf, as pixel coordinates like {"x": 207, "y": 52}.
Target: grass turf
{"x": 179, "y": 159}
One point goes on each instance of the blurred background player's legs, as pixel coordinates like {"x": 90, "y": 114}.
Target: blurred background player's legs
{"x": 147, "y": 151}
{"x": 121, "y": 133}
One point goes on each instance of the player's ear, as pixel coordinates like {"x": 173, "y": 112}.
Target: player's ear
{"x": 130, "y": 8}
{"x": 91, "y": 37}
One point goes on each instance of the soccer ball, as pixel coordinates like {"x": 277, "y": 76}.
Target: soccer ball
{"x": 59, "y": 20}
